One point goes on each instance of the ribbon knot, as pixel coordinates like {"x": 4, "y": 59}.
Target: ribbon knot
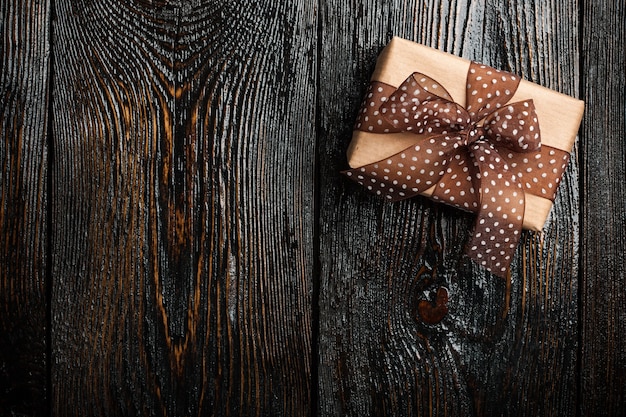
{"x": 457, "y": 152}
{"x": 477, "y": 134}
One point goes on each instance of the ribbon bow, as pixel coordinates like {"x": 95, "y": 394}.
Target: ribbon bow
{"x": 459, "y": 157}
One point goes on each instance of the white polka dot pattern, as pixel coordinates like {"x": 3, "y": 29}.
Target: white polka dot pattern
{"x": 481, "y": 157}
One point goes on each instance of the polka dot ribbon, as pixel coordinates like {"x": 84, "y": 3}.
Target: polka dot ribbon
{"x": 462, "y": 152}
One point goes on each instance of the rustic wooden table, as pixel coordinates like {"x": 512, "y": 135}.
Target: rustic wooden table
{"x": 176, "y": 239}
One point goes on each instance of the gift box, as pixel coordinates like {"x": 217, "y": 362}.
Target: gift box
{"x": 486, "y": 137}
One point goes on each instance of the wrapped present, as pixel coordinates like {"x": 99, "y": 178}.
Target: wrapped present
{"x": 468, "y": 135}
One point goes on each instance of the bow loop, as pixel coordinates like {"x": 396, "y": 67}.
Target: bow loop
{"x": 423, "y": 106}
{"x": 515, "y": 127}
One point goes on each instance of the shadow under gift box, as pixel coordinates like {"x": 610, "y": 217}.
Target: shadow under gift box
{"x": 559, "y": 118}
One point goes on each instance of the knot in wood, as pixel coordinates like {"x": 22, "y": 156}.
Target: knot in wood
{"x": 432, "y": 312}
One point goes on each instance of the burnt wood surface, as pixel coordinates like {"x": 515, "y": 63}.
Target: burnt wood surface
{"x": 177, "y": 238}
{"x": 603, "y": 308}
{"x": 183, "y": 211}
{"x": 24, "y": 203}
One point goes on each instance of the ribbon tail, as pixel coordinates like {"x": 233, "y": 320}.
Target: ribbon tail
{"x": 458, "y": 186}
{"x": 501, "y": 212}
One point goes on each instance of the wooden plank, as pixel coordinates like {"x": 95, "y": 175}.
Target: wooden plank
{"x": 603, "y": 357}
{"x": 504, "y": 347}
{"x": 24, "y": 155}
{"x": 184, "y": 208}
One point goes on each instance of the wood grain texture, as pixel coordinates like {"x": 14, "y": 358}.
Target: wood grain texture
{"x": 184, "y": 208}
{"x": 505, "y": 347}
{"x": 603, "y": 357}
{"x": 24, "y": 59}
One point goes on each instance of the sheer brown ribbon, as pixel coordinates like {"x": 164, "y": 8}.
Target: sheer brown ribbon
{"x": 461, "y": 155}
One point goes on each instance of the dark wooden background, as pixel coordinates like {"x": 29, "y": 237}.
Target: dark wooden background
{"x": 176, "y": 240}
